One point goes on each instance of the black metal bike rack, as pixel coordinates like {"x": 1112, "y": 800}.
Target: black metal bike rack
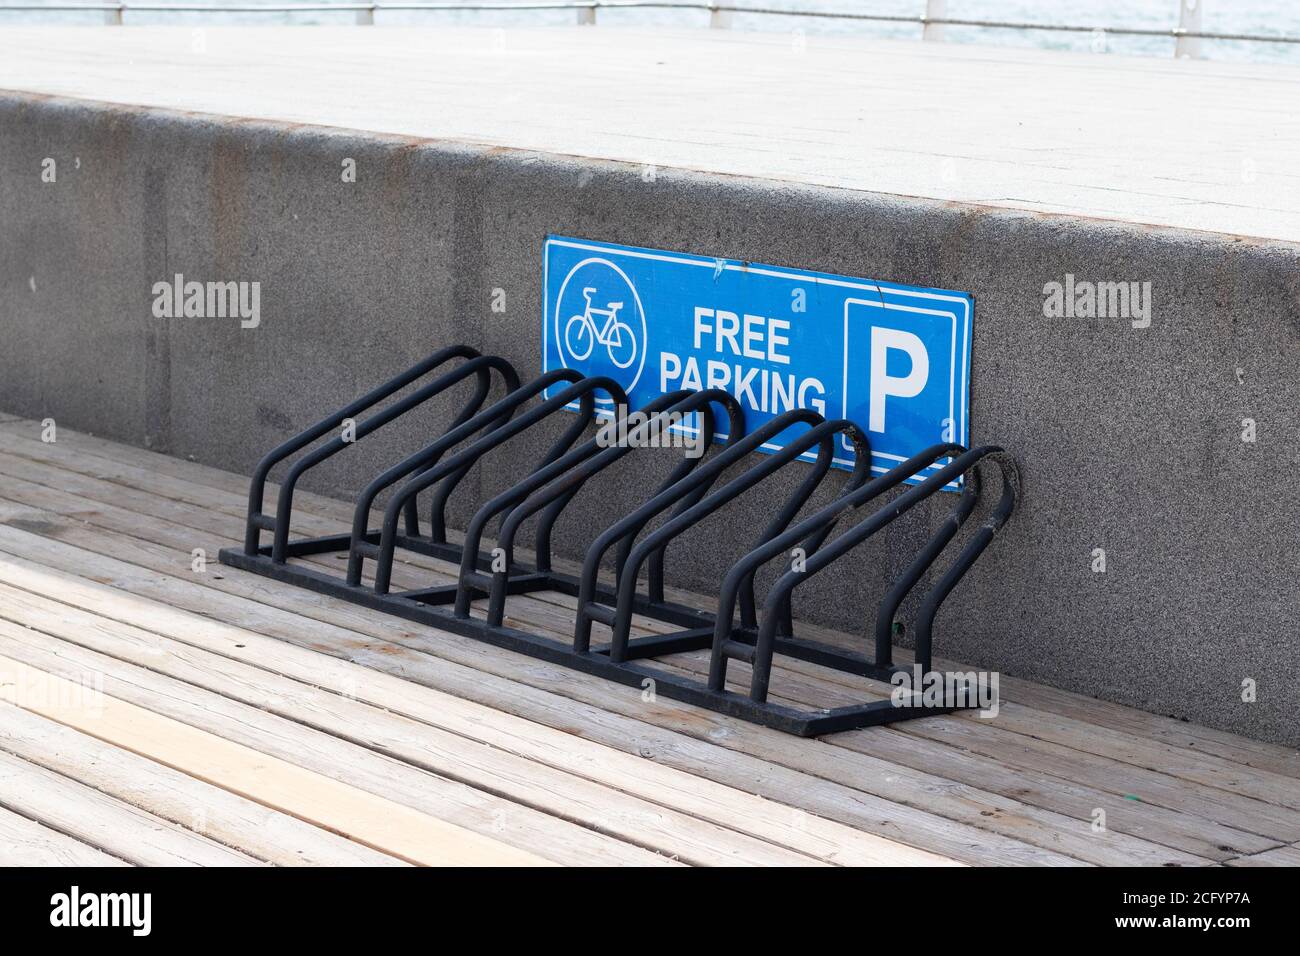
{"x": 686, "y": 497}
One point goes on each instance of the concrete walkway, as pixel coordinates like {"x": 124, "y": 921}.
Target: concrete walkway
{"x": 1205, "y": 146}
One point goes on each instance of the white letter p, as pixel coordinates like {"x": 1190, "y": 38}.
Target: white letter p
{"x": 882, "y": 384}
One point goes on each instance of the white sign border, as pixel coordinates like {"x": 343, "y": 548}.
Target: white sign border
{"x": 728, "y": 265}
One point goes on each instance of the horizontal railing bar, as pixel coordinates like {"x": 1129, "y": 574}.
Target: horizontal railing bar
{"x": 1172, "y": 33}
{"x": 327, "y": 7}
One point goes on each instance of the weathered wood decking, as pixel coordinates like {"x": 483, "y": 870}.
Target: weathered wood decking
{"x": 231, "y": 720}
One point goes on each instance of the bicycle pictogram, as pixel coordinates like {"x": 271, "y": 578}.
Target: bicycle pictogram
{"x": 581, "y": 333}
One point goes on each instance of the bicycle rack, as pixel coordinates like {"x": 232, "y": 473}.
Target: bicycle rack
{"x": 685, "y": 498}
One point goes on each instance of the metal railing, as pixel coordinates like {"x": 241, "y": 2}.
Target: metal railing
{"x": 933, "y": 23}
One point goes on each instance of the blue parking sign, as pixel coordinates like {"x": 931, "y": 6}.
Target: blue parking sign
{"x": 893, "y": 358}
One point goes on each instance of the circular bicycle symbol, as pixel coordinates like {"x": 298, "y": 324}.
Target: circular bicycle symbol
{"x": 582, "y": 332}
{"x": 600, "y": 322}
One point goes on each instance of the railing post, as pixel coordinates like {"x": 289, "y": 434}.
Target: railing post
{"x": 587, "y": 16}
{"x": 366, "y": 17}
{"x": 1189, "y": 18}
{"x": 113, "y": 17}
{"x": 934, "y": 10}
{"x": 719, "y": 19}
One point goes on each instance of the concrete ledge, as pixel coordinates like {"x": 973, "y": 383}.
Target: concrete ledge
{"x": 1128, "y": 439}
{"x": 1182, "y": 143}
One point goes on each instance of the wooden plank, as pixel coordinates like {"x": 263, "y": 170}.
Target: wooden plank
{"x": 92, "y": 448}
{"x": 1266, "y": 844}
{"x": 1170, "y": 812}
{"x": 105, "y": 481}
{"x": 668, "y": 788}
{"x": 25, "y": 842}
{"x": 105, "y": 822}
{"x": 1180, "y": 831}
{"x": 732, "y": 765}
{"x": 364, "y": 817}
{"x": 324, "y": 754}
{"x": 235, "y": 821}
{"x": 1020, "y": 751}
{"x": 572, "y": 752}
{"x": 1017, "y": 747}
{"x": 657, "y": 826}
{"x": 92, "y": 452}
{"x": 1282, "y": 856}
{"x": 111, "y": 499}
{"x": 1257, "y": 754}
{"x": 801, "y": 825}
{"x": 110, "y": 485}
{"x": 1204, "y": 769}
{"x": 1057, "y": 838}
{"x": 1189, "y": 827}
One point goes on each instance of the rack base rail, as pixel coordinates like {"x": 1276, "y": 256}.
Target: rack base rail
{"x": 690, "y": 494}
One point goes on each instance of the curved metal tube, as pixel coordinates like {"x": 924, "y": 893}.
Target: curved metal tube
{"x": 812, "y": 530}
{"x": 735, "y": 432}
{"x": 512, "y": 496}
{"x": 822, "y": 435}
{"x": 583, "y": 390}
{"x": 781, "y": 589}
{"x": 492, "y": 417}
{"x": 481, "y": 367}
{"x": 530, "y": 496}
{"x": 257, "y": 486}
{"x": 974, "y": 548}
{"x": 898, "y": 591}
{"x": 683, "y": 468}
{"x": 634, "y": 522}
{"x": 438, "y": 506}
{"x": 559, "y": 494}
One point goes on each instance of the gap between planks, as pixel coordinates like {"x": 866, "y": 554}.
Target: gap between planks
{"x": 115, "y": 646}
{"x": 237, "y": 822}
{"x": 1059, "y": 822}
{"x": 1046, "y": 856}
{"x": 366, "y": 818}
{"x": 1069, "y": 822}
{"x": 148, "y": 465}
{"x": 540, "y": 743}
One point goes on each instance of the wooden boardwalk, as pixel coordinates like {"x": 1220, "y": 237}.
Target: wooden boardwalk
{"x": 154, "y": 711}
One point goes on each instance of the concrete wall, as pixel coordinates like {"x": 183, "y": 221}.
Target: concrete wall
{"x": 1128, "y": 439}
